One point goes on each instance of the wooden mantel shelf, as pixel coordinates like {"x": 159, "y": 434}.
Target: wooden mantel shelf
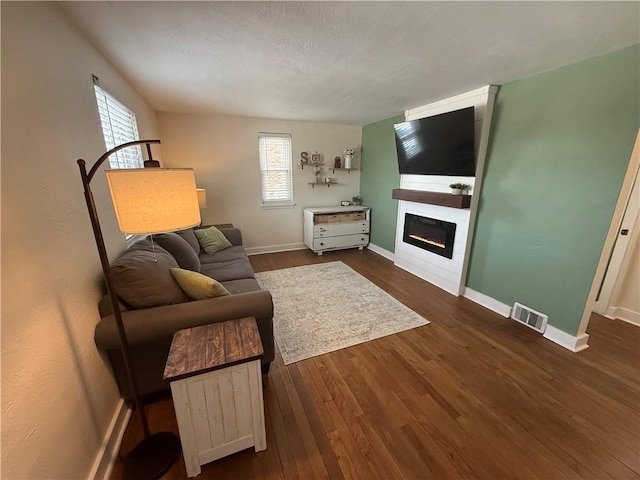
{"x": 433, "y": 198}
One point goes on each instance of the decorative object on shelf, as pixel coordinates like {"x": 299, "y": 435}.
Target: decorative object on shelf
{"x": 345, "y": 203}
{"x": 316, "y": 171}
{"x": 348, "y": 157}
{"x": 459, "y": 188}
{"x": 313, "y": 158}
{"x": 327, "y": 180}
{"x": 336, "y": 162}
{"x": 146, "y": 200}
{"x": 356, "y": 200}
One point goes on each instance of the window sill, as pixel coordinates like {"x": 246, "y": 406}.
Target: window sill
{"x": 269, "y": 206}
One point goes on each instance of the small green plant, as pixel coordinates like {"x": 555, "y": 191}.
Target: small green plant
{"x": 460, "y": 186}
{"x": 357, "y": 200}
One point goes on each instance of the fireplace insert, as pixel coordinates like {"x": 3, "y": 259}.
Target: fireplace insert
{"x": 430, "y": 234}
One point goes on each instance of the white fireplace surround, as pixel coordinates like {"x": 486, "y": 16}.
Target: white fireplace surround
{"x": 448, "y": 274}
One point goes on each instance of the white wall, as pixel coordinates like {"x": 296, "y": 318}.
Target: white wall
{"x": 223, "y": 150}
{"x": 58, "y": 397}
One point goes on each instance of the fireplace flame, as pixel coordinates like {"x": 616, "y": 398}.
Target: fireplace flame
{"x": 426, "y": 240}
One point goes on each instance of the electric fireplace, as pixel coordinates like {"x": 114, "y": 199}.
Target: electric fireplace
{"x": 430, "y": 234}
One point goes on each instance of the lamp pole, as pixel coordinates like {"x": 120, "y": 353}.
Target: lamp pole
{"x": 156, "y": 453}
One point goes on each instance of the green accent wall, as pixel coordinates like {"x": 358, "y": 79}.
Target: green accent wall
{"x": 378, "y": 178}
{"x": 560, "y": 145}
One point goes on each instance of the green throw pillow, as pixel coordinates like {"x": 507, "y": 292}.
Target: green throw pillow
{"x": 212, "y": 240}
{"x": 198, "y": 286}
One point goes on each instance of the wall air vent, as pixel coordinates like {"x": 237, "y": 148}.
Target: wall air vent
{"x": 529, "y": 317}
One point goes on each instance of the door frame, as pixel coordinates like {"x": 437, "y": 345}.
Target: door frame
{"x": 612, "y": 261}
{"x": 621, "y": 255}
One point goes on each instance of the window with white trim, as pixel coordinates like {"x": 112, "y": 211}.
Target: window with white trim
{"x": 118, "y": 126}
{"x": 275, "y": 167}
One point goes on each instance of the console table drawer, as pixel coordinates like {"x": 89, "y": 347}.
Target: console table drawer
{"x": 341, "y": 241}
{"x": 339, "y": 217}
{"x": 329, "y": 230}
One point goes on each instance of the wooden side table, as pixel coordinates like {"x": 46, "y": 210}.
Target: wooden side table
{"x": 216, "y": 385}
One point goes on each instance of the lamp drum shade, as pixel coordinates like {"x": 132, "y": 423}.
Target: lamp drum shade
{"x": 154, "y": 200}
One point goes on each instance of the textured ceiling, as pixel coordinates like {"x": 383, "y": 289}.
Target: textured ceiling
{"x": 343, "y": 62}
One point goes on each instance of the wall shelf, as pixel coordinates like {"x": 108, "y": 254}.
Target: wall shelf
{"x": 333, "y": 169}
{"x": 433, "y": 198}
{"x": 301, "y": 165}
{"x": 328, "y": 184}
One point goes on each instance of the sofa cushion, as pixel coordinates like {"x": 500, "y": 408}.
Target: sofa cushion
{"x": 212, "y": 240}
{"x": 142, "y": 279}
{"x": 178, "y": 247}
{"x": 243, "y": 285}
{"x": 234, "y": 235}
{"x": 226, "y": 255}
{"x": 190, "y": 238}
{"x": 198, "y": 286}
{"x": 229, "y": 264}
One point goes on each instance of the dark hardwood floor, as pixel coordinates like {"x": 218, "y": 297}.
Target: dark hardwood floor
{"x": 471, "y": 395}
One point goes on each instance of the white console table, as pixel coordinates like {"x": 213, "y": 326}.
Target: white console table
{"x": 335, "y": 228}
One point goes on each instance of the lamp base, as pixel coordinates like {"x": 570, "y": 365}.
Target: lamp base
{"x": 152, "y": 457}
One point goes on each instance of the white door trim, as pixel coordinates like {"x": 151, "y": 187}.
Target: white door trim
{"x": 621, "y": 214}
{"x": 621, "y": 255}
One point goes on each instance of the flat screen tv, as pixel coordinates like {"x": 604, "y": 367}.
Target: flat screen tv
{"x": 439, "y": 145}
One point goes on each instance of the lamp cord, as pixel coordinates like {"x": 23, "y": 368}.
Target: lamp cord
{"x": 153, "y": 248}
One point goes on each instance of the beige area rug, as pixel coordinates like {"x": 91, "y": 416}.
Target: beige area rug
{"x": 328, "y": 306}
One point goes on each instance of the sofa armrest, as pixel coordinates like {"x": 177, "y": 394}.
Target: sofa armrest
{"x": 155, "y": 324}
{"x": 233, "y": 235}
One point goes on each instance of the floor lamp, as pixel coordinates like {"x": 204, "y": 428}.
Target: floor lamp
{"x": 146, "y": 201}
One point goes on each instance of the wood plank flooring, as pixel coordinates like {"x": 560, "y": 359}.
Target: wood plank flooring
{"x": 471, "y": 395}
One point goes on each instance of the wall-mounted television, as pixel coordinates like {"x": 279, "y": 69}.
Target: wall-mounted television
{"x": 439, "y": 145}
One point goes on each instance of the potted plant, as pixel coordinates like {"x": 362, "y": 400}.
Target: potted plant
{"x": 459, "y": 188}
{"x": 356, "y": 200}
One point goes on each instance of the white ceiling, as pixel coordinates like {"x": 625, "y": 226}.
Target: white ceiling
{"x": 342, "y": 62}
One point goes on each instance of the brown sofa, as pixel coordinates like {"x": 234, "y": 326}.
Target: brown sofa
{"x": 154, "y": 307}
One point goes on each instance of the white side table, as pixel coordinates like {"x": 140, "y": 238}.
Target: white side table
{"x": 216, "y": 384}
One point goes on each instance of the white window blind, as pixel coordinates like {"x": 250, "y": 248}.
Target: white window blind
{"x": 275, "y": 166}
{"x": 118, "y": 126}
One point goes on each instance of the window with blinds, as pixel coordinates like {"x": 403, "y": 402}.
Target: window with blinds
{"x": 118, "y": 126}
{"x": 275, "y": 166}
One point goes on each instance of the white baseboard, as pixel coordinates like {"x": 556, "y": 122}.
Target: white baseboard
{"x": 111, "y": 443}
{"x": 275, "y": 248}
{"x": 381, "y": 251}
{"x": 566, "y": 340}
{"x": 624, "y": 314}
{"x": 487, "y": 302}
{"x": 562, "y": 338}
